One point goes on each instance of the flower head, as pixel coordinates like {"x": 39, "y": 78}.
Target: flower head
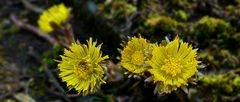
{"x": 80, "y": 67}
{"x": 55, "y": 16}
{"x": 135, "y": 54}
{"x": 173, "y": 65}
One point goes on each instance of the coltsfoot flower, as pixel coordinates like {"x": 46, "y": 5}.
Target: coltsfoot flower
{"x": 80, "y": 67}
{"x": 53, "y": 17}
{"x": 135, "y": 54}
{"x": 173, "y": 65}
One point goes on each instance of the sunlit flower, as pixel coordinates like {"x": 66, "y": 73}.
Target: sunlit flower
{"x": 173, "y": 65}
{"x": 80, "y": 67}
{"x": 53, "y": 17}
{"x": 135, "y": 54}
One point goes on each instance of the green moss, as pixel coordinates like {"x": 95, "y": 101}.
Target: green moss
{"x": 231, "y": 8}
{"x": 165, "y": 25}
{"x": 238, "y": 1}
{"x": 236, "y": 82}
{"x": 213, "y": 80}
{"x": 176, "y": 3}
{"x": 236, "y": 36}
{"x": 221, "y": 83}
{"x": 209, "y": 27}
{"x": 117, "y": 10}
{"x": 180, "y": 2}
{"x": 181, "y": 15}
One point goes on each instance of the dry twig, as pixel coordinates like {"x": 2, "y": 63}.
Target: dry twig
{"x": 29, "y": 27}
{"x": 31, "y": 7}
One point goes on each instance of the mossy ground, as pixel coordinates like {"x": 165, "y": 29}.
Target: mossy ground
{"x": 213, "y": 26}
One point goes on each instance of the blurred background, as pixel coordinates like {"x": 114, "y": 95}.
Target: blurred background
{"x": 28, "y": 72}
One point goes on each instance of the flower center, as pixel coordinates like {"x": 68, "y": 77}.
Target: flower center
{"x": 83, "y": 68}
{"x": 172, "y": 66}
{"x": 137, "y": 58}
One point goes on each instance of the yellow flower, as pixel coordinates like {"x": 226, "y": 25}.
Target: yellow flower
{"x": 80, "y": 67}
{"x": 135, "y": 54}
{"x": 173, "y": 65}
{"x": 53, "y": 17}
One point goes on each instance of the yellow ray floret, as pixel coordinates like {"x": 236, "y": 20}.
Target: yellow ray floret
{"x": 135, "y": 54}
{"x": 173, "y": 65}
{"x": 80, "y": 67}
{"x": 55, "y": 16}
